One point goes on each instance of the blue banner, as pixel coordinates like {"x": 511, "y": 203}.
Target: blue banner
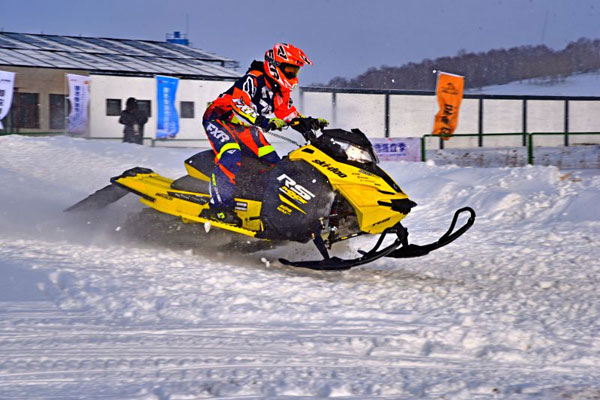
{"x": 167, "y": 123}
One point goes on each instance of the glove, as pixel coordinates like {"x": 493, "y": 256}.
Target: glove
{"x": 276, "y": 123}
{"x": 319, "y": 123}
{"x": 309, "y": 123}
{"x": 267, "y": 124}
{"x": 304, "y": 125}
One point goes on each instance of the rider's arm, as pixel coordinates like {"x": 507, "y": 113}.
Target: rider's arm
{"x": 241, "y": 99}
{"x": 284, "y": 107}
{"x": 243, "y": 92}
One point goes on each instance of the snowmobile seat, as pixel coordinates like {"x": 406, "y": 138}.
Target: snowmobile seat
{"x": 250, "y": 180}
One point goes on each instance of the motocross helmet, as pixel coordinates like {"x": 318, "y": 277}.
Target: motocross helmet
{"x": 282, "y": 64}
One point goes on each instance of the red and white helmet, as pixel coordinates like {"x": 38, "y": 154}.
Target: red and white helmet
{"x": 282, "y": 64}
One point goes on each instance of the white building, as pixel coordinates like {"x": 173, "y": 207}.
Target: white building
{"x": 118, "y": 69}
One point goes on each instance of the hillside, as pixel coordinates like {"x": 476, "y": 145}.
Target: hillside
{"x": 495, "y": 67}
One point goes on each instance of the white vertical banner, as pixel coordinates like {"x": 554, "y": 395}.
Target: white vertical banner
{"x": 7, "y": 83}
{"x": 79, "y": 97}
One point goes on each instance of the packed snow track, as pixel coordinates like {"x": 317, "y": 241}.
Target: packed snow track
{"x": 118, "y": 305}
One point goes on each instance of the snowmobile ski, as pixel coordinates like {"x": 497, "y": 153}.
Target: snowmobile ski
{"x": 398, "y": 249}
{"x": 339, "y": 264}
{"x": 413, "y": 250}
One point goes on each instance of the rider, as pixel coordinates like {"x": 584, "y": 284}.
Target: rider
{"x": 238, "y": 117}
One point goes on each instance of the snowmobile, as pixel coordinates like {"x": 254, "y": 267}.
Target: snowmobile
{"x": 327, "y": 191}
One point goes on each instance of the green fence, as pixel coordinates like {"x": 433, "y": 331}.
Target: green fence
{"x": 529, "y": 140}
{"x": 528, "y": 136}
{"x": 530, "y": 144}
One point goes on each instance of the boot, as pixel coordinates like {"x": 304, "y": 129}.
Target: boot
{"x": 222, "y": 214}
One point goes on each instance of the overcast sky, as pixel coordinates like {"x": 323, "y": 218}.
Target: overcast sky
{"x": 342, "y": 37}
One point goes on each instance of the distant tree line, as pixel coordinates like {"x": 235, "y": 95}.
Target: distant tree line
{"x": 494, "y": 67}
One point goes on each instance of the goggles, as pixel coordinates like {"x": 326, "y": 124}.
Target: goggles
{"x": 289, "y": 71}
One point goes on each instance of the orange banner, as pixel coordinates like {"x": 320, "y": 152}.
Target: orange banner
{"x": 449, "y": 91}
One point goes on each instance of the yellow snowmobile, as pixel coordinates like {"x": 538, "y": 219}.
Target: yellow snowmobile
{"x": 327, "y": 191}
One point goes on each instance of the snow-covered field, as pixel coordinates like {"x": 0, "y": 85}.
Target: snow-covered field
{"x": 89, "y": 310}
{"x": 586, "y": 84}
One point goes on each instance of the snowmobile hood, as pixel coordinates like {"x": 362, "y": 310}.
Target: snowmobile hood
{"x": 370, "y": 194}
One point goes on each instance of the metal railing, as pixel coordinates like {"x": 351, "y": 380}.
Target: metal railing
{"x": 529, "y": 140}
{"x": 525, "y": 123}
{"x": 477, "y": 135}
{"x": 530, "y": 145}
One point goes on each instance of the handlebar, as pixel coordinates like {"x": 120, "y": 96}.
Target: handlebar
{"x": 307, "y": 127}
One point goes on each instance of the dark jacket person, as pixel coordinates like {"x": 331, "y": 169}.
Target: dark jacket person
{"x": 134, "y": 119}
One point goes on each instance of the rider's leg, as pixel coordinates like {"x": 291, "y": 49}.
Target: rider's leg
{"x": 227, "y": 164}
{"x": 254, "y": 139}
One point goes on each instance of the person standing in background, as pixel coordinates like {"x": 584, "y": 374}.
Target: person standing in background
{"x": 134, "y": 119}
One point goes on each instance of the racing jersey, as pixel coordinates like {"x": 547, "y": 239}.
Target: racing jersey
{"x": 252, "y": 98}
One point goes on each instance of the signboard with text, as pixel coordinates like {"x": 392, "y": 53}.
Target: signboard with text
{"x": 79, "y": 97}
{"x": 167, "y": 121}
{"x": 396, "y": 149}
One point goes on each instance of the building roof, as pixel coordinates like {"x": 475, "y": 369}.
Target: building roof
{"x": 112, "y": 56}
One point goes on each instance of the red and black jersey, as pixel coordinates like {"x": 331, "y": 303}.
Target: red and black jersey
{"x": 253, "y": 96}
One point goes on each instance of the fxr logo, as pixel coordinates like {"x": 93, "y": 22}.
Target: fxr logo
{"x": 218, "y": 134}
{"x": 298, "y": 189}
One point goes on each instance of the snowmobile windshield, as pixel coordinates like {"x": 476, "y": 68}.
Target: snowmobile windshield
{"x": 356, "y": 153}
{"x": 352, "y": 147}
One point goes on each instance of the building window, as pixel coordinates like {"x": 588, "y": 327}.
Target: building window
{"x": 113, "y": 107}
{"x": 146, "y": 106}
{"x": 187, "y": 109}
{"x": 57, "y": 111}
{"x": 27, "y": 113}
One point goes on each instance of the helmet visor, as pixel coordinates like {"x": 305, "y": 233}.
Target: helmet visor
{"x": 289, "y": 71}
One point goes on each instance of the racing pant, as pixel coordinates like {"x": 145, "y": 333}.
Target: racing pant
{"x": 229, "y": 141}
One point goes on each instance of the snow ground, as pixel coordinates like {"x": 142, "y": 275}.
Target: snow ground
{"x": 509, "y": 311}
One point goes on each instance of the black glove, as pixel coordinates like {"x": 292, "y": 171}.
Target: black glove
{"x": 276, "y": 123}
{"x": 319, "y": 123}
{"x": 308, "y": 123}
{"x": 305, "y": 126}
{"x": 269, "y": 124}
